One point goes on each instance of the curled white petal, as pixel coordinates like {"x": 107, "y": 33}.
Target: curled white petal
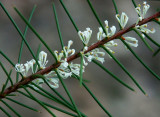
{"x": 123, "y": 19}
{"x": 85, "y": 36}
{"x": 112, "y": 30}
{"x": 42, "y": 59}
{"x": 131, "y": 41}
{"x": 53, "y": 82}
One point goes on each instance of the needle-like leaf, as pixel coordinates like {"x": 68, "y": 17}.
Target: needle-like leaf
{"x": 35, "y": 32}
{"x": 93, "y": 96}
{"x": 20, "y": 33}
{"x": 143, "y": 39}
{"x": 68, "y": 93}
{"x": 7, "y": 74}
{"x": 115, "y": 77}
{"x": 39, "y": 102}
{"x": 19, "y": 103}
{"x": 124, "y": 69}
{"x": 1, "y": 108}
{"x": 153, "y": 73}
{"x": 22, "y": 42}
{"x": 15, "y": 112}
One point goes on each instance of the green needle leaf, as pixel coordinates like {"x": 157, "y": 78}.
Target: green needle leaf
{"x": 115, "y": 6}
{"x": 134, "y": 3}
{"x": 7, "y": 58}
{"x": 145, "y": 42}
{"x": 95, "y": 14}
{"x": 124, "y": 69}
{"x": 115, "y": 77}
{"x": 51, "y": 106}
{"x": 49, "y": 96}
{"x": 40, "y": 103}
{"x": 154, "y": 42}
{"x": 5, "y": 111}
{"x": 17, "y": 102}
{"x": 4, "y": 86}
{"x": 93, "y": 96}
{"x": 61, "y": 1}
{"x": 34, "y": 31}
{"x": 58, "y": 28}
{"x": 20, "y": 33}
{"x": 156, "y": 52}
{"x": 69, "y": 95}
{"x": 22, "y": 42}
{"x": 153, "y": 73}
{"x": 58, "y": 94}
{"x": 15, "y": 112}
{"x": 7, "y": 74}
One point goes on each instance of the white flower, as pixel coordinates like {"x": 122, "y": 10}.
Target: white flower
{"x": 42, "y": 59}
{"x": 38, "y": 82}
{"x": 75, "y": 68}
{"x": 53, "y": 82}
{"x": 59, "y": 56}
{"x": 123, "y": 19}
{"x": 143, "y": 28}
{"x": 85, "y": 36}
{"x": 19, "y": 68}
{"x": 67, "y": 49}
{"x": 100, "y": 35}
{"x": 139, "y": 11}
{"x": 52, "y": 79}
{"x": 64, "y": 63}
{"x": 64, "y": 72}
{"x": 112, "y": 29}
{"x": 131, "y": 41}
{"x": 32, "y": 63}
{"x": 23, "y": 69}
{"x": 110, "y": 44}
{"x": 94, "y": 54}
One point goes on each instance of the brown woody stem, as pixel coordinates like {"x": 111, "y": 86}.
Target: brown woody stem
{"x": 30, "y": 78}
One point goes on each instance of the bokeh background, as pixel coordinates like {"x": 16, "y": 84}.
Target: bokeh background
{"x": 119, "y": 101}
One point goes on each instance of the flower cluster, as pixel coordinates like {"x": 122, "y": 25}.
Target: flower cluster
{"x": 143, "y": 28}
{"x": 66, "y": 69}
{"x": 42, "y": 61}
{"x": 142, "y": 13}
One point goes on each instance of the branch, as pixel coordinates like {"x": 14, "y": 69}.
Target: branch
{"x": 30, "y": 78}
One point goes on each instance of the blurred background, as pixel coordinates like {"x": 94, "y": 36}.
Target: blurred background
{"x": 117, "y": 99}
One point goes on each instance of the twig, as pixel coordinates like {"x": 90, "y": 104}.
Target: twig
{"x": 30, "y": 78}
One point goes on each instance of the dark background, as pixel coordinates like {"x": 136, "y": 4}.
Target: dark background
{"x": 120, "y": 101}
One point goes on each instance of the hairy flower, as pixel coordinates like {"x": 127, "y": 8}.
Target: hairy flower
{"x": 85, "y": 36}
{"x": 52, "y": 79}
{"x": 67, "y": 49}
{"x": 123, "y": 19}
{"x": 100, "y": 35}
{"x": 94, "y": 54}
{"x": 32, "y": 63}
{"x": 112, "y": 29}
{"x": 75, "y": 68}
{"x": 59, "y": 56}
{"x": 143, "y": 28}
{"x": 140, "y": 12}
{"x": 22, "y": 68}
{"x": 64, "y": 72}
{"x": 42, "y": 59}
{"x": 131, "y": 41}
{"x": 110, "y": 44}
{"x": 38, "y": 82}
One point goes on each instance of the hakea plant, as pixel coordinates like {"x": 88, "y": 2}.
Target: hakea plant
{"x": 65, "y": 68}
